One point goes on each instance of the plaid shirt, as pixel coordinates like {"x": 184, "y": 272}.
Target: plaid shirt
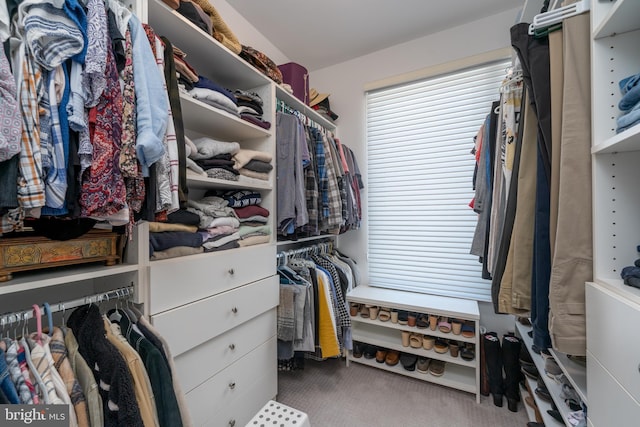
{"x": 332, "y": 222}
{"x": 30, "y": 183}
{"x": 56, "y": 178}
{"x": 311, "y": 187}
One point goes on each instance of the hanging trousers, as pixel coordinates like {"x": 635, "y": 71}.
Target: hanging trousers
{"x": 573, "y": 252}
{"x": 534, "y": 57}
{"x": 515, "y": 288}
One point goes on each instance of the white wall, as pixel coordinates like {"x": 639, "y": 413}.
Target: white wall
{"x": 247, "y": 34}
{"x": 346, "y": 82}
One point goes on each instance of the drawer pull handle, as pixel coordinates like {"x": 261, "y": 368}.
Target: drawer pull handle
{"x": 232, "y": 423}
{"x": 234, "y": 310}
{"x": 232, "y": 271}
{"x": 232, "y": 346}
{"x": 232, "y": 385}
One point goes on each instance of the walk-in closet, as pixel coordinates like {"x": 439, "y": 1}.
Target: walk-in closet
{"x": 230, "y": 213}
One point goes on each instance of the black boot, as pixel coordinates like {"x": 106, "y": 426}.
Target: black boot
{"x": 511, "y": 346}
{"x": 493, "y": 358}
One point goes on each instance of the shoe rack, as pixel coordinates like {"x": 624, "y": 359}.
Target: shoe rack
{"x": 554, "y": 388}
{"x": 458, "y": 373}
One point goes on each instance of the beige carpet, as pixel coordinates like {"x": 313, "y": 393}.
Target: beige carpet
{"x": 333, "y": 395}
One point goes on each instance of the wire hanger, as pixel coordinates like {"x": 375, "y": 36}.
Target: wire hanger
{"x": 547, "y": 20}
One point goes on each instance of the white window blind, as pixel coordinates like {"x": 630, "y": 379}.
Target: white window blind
{"x": 420, "y": 171}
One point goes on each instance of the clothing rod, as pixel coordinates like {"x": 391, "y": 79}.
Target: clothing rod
{"x": 7, "y": 319}
{"x": 320, "y": 247}
{"x": 285, "y": 108}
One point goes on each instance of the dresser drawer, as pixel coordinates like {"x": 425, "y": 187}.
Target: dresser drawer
{"x": 197, "y": 365}
{"x": 193, "y": 324}
{"x": 179, "y": 281}
{"x": 609, "y": 404}
{"x": 610, "y": 337}
{"x": 251, "y": 379}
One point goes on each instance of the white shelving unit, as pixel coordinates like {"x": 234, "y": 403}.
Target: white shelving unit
{"x": 612, "y": 377}
{"x": 460, "y": 374}
{"x": 227, "y": 300}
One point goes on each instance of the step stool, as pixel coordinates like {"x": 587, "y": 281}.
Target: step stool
{"x": 275, "y": 414}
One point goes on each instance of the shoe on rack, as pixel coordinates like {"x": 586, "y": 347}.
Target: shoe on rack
{"x": 408, "y": 361}
{"x": 393, "y": 357}
{"x": 422, "y": 365}
{"x": 357, "y": 349}
{"x": 369, "y": 351}
{"x": 543, "y": 394}
{"x": 551, "y": 368}
{"x": 556, "y": 415}
{"x": 530, "y": 371}
{"x": 381, "y": 355}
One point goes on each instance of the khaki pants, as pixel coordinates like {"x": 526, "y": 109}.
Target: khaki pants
{"x": 572, "y": 263}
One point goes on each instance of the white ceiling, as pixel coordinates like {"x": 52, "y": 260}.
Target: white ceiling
{"x": 322, "y": 33}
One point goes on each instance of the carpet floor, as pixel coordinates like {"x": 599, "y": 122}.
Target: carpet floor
{"x": 333, "y": 395}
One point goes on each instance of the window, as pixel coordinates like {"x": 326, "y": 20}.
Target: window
{"x": 420, "y": 171}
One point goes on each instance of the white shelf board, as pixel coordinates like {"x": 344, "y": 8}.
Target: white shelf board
{"x": 411, "y": 301}
{"x": 296, "y": 104}
{"x": 629, "y": 140}
{"x": 423, "y": 331}
{"x": 622, "y": 17}
{"x": 28, "y": 280}
{"x": 454, "y": 376}
{"x": 284, "y": 243}
{"x": 203, "y": 51}
{"x": 553, "y": 387}
{"x": 618, "y": 287}
{"x": 392, "y": 339}
{"x": 575, "y": 372}
{"x": 203, "y": 182}
{"x": 200, "y": 117}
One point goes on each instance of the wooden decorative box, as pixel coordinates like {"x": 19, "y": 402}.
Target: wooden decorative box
{"x": 36, "y": 252}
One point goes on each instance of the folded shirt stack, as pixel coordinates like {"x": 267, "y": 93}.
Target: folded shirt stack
{"x": 250, "y": 108}
{"x": 212, "y": 158}
{"x": 209, "y": 92}
{"x": 187, "y": 75}
{"x": 252, "y": 218}
{"x": 253, "y": 164}
{"x": 630, "y": 103}
{"x": 218, "y": 223}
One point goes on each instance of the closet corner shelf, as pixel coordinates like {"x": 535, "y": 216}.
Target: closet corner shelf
{"x": 575, "y": 372}
{"x": 207, "y": 120}
{"x": 622, "y": 17}
{"x": 629, "y": 140}
{"x": 203, "y": 50}
{"x": 24, "y": 281}
{"x": 553, "y": 387}
{"x": 296, "y": 104}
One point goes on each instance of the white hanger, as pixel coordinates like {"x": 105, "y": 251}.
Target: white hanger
{"x": 556, "y": 16}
